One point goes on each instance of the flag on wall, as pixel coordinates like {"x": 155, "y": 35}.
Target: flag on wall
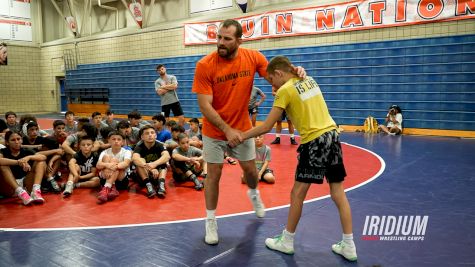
{"x": 136, "y": 9}
{"x": 245, "y": 5}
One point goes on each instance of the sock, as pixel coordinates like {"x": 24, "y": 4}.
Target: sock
{"x": 77, "y": 185}
{"x": 253, "y": 192}
{"x": 70, "y": 182}
{"x": 292, "y": 135}
{"x": 50, "y": 178}
{"x": 148, "y": 184}
{"x": 277, "y": 135}
{"x": 161, "y": 180}
{"x": 108, "y": 185}
{"x": 210, "y": 214}
{"x": 288, "y": 235}
{"x": 348, "y": 239}
{"x": 192, "y": 177}
{"x": 146, "y": 181}
{"x": 36, "y": 187}
{"x": 19, "y": 190}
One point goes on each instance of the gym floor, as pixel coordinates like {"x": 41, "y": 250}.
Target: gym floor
{"x": 420, "y": 177}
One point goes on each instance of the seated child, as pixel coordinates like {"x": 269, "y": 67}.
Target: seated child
{"x": 82, "y": 167}
{"x": 194, "y": 133}
{"x": 21, "y": 168}
{"x": 263, "y": 157}
{"x": 188, "y": 162}
{"x": 114, "y": 165}
{"x": 163, "y": 134}
{"x": 150, "y": 158}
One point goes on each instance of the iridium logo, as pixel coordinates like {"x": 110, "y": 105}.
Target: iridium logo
{"x": 395, "y": 228}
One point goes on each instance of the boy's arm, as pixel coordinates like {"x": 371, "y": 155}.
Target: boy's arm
{"x": 162, "y": 160}
{"x": 179, "y": 157}
{"x": 72, "y": 169}
{"x": 89, "y": 175}
{"x": 124, "y": 164}
{"x": 274, "y": 115}
{"x": 137, "y": 160}
{"x": 35, "y": 157}
{"x": 206, "y": 108}
{"x": 67, "y": 147}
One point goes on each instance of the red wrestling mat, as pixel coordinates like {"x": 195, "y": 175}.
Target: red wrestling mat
{"x": 182, "y": 201}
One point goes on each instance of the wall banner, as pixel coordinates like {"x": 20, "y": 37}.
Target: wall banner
{"x": 349, "y": 16}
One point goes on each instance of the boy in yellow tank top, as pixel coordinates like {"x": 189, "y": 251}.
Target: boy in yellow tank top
{"x": 320, "y": 153}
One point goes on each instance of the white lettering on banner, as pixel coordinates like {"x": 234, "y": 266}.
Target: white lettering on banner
{"x": 392, "y": 228}
{"x": 350, "y": 16}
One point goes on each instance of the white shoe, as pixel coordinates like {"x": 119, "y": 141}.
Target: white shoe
{"x": 280, "y": 244}
{"x": 348, "y": 252}
{"x": 211, "y": 237}
{"x": 257, "y": 204}
{"x": 69, "y": 189}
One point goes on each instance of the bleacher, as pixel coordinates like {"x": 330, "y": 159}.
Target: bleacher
{"x": 431, "y": 79}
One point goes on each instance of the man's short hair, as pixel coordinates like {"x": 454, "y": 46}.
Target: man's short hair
{"x": 159, "y": 66}
{"x": 85, "y": 137}
{"x": 69, "y": 112}
{"x": 134, "y": 115}
{"x": 231, "y": 22}
{"x": 145, "y": 127}
{"x": 123, "y": 124}
{"x": 159, "y": 117}
{"x": 57, "y": 123}
{"x": 279, "y": 63}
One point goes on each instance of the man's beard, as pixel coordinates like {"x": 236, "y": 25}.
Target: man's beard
{"x": 229, "y": 53}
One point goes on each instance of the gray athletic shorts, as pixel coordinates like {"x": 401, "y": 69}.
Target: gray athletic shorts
{"x": 214, "y": 149}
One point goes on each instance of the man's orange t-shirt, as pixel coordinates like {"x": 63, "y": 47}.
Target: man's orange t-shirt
{"x": 229, "y": 81}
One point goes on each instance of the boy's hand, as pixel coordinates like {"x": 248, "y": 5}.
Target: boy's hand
{"x": 300, "y": 71}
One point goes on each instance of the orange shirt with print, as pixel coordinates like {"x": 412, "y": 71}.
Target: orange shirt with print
{"x": 230, "y": 82}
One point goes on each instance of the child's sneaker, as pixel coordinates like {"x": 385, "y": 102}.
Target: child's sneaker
{"x": 69, "y": 189}
{"x": 103, "y": 195}
{"x": 211, "y": 237}
{"x": 25, "y": 198}
{"x": 257, "y": 204}
{"x": 198, "y": 184}
{"x": 37, "y": 197}
{"x": 161, "y": 189}
{"x": 348, "y": 252}
{"x": 280, "y": 244}
{"x": 55, "y": 186}
{"x": 113, "y": 193}
{"x": 150, "y": 192}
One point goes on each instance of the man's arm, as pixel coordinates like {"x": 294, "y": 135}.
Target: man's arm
{"x": 206, "y": 108}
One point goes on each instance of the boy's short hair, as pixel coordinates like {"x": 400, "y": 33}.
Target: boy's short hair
{"x": 279, "y": 63}
{"x": 134, "y": 115}
{"x": 104, "y": 131}
{"x": 123, "y": 124}
{"x": 109, "y": 112}
{"x": 86, "y": 137}
{"x": 90, "y": 130}
{"x": 145, "y": 127}
{"x": 171, "y": 123}
{"x": 57, "y": 123}
{"x": 159, "y": 117}
{"x": 181, "y": 136}
{"x": 115, "y": 133}
{"x": 83, "y": 120}
{"x": 31, "y": 124}
{"x": 194, "y": 120}
{"x": 178, "y": 128}
{"x": 95, "y": 113}
{"x": 69, "y": 112}
{"x": 10, "y": 113}
{"x": 160, "y": 66}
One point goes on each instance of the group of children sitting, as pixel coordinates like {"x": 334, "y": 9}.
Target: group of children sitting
{"x": 104, "y": 153}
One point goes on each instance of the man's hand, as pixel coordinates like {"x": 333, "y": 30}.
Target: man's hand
{"x": 161, "y": 91}
{"x": 300, "y": 71}
{"x": 234, "y": 137}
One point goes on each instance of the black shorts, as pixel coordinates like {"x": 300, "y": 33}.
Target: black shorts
{"x": 321, "y": 157}
{"x": 253, "y": 110}
{"x": 175, "y": 107}
{"x": 120, "y": 185}
{"x": 284, "y": 116}
{"x": 266, "y": 171}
